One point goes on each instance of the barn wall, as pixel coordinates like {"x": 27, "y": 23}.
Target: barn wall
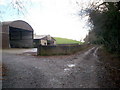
{"x": 0, "y": 35}
{"x": 5, "y": 36}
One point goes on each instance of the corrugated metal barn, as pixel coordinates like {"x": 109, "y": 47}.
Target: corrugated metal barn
{"x": 17, "y": 34}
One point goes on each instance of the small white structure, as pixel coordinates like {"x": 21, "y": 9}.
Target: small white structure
{"x": 43, "y": 40}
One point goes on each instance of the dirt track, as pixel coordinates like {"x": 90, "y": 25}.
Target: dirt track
{"x": 81, "y": 70}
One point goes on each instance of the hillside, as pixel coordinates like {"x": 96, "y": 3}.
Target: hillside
{"x": 66, "y": 41}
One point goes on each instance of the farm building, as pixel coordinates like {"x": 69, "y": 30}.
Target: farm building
{"x": 43, "y": 40}
{"x": 16, "y": 34}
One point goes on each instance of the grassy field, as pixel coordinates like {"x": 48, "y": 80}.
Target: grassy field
{"x": 66, "y": 41}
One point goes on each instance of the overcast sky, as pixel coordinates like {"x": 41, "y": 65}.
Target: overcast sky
{"x": 58, "y": 18}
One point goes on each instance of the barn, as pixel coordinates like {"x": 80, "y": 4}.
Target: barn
{"x": 43, "y": 40}
{"x": 17, "y": 34}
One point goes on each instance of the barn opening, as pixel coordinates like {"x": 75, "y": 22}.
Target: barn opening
{"x": 19, "y": 37}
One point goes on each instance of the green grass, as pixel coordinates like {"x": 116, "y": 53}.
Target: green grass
{"x": 66, "y": 41}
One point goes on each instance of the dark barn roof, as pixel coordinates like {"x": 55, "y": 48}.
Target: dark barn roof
{"x": 18, "y": 24}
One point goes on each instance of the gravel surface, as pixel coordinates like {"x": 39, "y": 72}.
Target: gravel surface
{"x": 81, "y": 70}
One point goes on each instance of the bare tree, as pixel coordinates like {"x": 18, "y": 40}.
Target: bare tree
{"x": 16, "y": 7}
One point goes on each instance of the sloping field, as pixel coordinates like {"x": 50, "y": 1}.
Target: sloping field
{"x": 66, "y": 41}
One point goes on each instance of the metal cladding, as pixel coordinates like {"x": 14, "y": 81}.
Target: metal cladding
{"x": 17, "y": 34}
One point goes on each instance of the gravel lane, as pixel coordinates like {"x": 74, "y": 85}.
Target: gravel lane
{"x": 81, "y": 70}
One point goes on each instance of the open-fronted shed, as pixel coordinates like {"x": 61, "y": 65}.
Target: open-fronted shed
{"x": 17, "y": 34}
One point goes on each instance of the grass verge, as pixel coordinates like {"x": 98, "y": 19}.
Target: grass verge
{"x": 112, "y": 64}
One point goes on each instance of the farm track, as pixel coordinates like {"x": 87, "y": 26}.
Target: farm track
{"x": 81, "y": 70}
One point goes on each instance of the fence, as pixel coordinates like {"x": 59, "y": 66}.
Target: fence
{"x": 58, "y": 49}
